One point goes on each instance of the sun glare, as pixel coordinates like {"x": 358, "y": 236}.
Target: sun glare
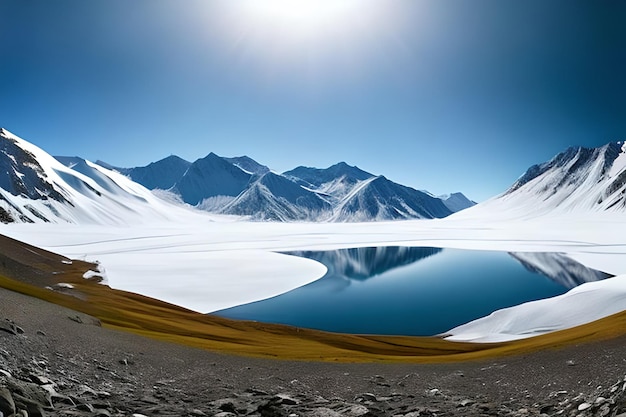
{"x": 309, "y": 12}
{"x": 301, "y": 13}
{"x": 309, "y": 39}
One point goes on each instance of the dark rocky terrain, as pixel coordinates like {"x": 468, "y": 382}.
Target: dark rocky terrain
{"x": 56, "y": 362}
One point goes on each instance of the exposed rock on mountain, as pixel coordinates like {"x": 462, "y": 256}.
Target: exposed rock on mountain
{"x": 248, "y": 164}
{"x": 381, "y": 199}
{"x": 35, "y": 187}
{"x": 163, "y": 174}
{"x": 211, "y": 176}
{"x": 274, "y": 197}
{"x": 579, "y": 178}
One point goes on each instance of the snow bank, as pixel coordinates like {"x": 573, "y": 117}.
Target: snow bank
{"x": 583, "y": 304}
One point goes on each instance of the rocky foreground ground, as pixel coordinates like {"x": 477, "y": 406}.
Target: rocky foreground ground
{"x": 56, "y": 362}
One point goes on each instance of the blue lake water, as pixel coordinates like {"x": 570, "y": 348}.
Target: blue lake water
{"x": 415, "y": 291}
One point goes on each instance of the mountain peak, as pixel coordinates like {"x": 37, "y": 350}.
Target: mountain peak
{"x": 456, "y": 201}
{"x": 579, "y": 179}
{"x": 248, "y": 164}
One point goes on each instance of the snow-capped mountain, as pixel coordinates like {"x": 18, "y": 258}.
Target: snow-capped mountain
{"x": 35, "y": 187}
{"x": 163, "y": 174}
{"x": 335, "y": 181}
{"x": 211, "y": 176}
{"x": 248, "y": 164}
{"x": 381, "y": 199}
{"x": 577, "y": 180}
{"x": 242, "y": 186}
{"x": 274, "y": 197}
{"x": 360, "y": 196}
{"x": 38, "y": 187}
{"x": 456, "y": 201}
{"x": 204, "y": 179}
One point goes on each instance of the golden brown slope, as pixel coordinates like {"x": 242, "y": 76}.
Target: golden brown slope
{"x": 29, "y": 270}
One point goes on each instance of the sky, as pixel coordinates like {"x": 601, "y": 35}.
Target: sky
{"x": 446, "y": 96}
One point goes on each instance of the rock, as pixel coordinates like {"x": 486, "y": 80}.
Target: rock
{"x": 583, "y": 406}
{"x": 286, "y": 399}
{"x": 86, "y": 407}
{"x": 257, "y": 392}
{"x": 466, "y": 402}
{"x": 31, "y": 392}
{"x": 356, "y": 411}
{"x": 323, "y": 412}
{"x": 33, "y": 408}
{"x": 7, "y": 405}
{"x": 604, "y": 411}
{"x": 365, "y": 397}
{"x": 228, "y": 407}
{"x": 10, "y": 327}
{"x": 40, "y": 380}
{"x": 570, "y": 363}
{"x": 197, "y": 413}
{"x": 272, "y": 408}
{"x": 225, "y": 414}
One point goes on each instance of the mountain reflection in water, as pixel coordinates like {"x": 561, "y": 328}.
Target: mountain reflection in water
{"x": 415, "y": 290}
{"x": 364, "y": 263}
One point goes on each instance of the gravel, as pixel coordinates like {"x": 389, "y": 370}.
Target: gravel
{"x": 57, "y": 362}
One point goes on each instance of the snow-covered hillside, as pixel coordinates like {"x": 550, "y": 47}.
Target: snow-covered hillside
{"x": 35, "y": 188}
{"x": 579, "y": 180}
{"x": 274, "y": 197}
{"x": 380, "y": 199}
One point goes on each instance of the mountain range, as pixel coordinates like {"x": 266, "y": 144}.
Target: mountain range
{"x": 36, "y": 187}
{"x": 244, "y": 187}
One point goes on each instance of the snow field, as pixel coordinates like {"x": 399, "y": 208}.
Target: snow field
{"x": 219, "y": 263}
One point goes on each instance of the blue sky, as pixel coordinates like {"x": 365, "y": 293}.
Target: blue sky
{"x": 447, "y": 96}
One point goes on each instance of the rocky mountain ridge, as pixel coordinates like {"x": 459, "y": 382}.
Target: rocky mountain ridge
{"x": 242, "y": 186}
{"x": 578, "y": 180}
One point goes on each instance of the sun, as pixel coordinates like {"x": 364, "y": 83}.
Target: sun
{"x": 302, "y": 17}
{"x": 302, "y": 14}
{"x": 312, "y": 40}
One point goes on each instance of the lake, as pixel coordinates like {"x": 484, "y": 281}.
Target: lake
{"x": 416, "y": 291}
